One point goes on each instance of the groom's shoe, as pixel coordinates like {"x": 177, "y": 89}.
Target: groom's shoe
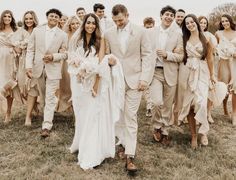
{"x": 45, "y": 133}
{"x": 130, "y": 166}
{"x": 121, "y": 152}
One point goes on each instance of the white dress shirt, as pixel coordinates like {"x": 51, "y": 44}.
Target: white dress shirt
{"x": 123, "y": 36}
{"x": 161, "y": 43}
{"x": 50, "y": 33}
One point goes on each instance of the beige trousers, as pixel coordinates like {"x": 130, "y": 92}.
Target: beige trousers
{"x": 47, "y": 89}
{"x": 162, "y": 96}
{"x": 127, "y": 128}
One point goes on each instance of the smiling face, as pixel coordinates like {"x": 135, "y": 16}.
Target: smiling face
{"x": 190, "y": 24}
{"x": 63, "y": 20}
{"x": 203, "y": 24}
{"x": 225, "y": 23}
{"x": 167, "y": 19}
{"x": 90, "y": 25}
{"x": 29, "y": 20}
{"x": 53, "y": 19}
{"x": 7, "y": 18}
{"x": 81, "y": 14}
{"x": 100, "y": 13}
{"x": 74, "y": 25}
{"x": 179, "y": 17}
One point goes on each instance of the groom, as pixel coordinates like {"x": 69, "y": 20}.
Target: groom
{"x": 43, "y": 64}
{"x": 130, "y": 44}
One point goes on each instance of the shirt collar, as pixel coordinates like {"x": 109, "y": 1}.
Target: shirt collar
{"x": 51, "y": 29}
{"x": 164, "y": 30}
{"x": 126, "y": 28}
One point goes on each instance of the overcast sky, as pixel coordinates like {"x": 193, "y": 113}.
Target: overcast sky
{"x": 138, "y": 9}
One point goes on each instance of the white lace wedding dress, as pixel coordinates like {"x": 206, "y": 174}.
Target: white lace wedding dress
{"x": 94, "y": 137}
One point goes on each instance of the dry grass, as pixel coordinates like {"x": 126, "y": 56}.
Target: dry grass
{"x": 24, "y": 155}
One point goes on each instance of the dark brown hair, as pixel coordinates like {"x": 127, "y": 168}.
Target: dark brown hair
{"x": 187, "y": 34}
{"x": 230, "y": 19}
{"x": 148, "y": 20}
{"x": 95, "y": 37}
{"x": 203, "y": 17}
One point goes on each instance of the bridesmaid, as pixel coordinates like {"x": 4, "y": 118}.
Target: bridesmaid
{"x": 27, "y": 87}
{"x": 71, "y": 26}
{"x": 203, "y": 21}
{"x": 198, "y": 58}
{"x": 8, "y": 57}
{"x": 64, "y": 93}
{"x": 62, "y": 21}
{"x": 226, "y": 36}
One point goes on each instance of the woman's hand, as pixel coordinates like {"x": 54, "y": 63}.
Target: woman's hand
{"x": 213, "y": 79}
{"x": 95, "y": 90}
{"x": 95, "y": 86}
{"x": 18, "y": 50}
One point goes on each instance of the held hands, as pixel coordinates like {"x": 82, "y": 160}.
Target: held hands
{"x": 142, "y": 85}
{"x": 111, "y": 61}
{"x": 48, "y": 58}
{"x": 18, "y": 50}
{"x": 161, "y": 53}
{"x": 213, "y": 79}
{"x": 29, "y": 72}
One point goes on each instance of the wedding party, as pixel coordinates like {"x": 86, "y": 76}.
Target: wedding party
{"x": 96, "y": 95}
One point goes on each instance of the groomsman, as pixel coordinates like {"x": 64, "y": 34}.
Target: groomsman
{"x": 168, "y": 45}
{"x": 80, "y": 13}
{"x": 43, "y": 64}
{"x": 148, "y": 22}
{"x": 179, "y": 17}
{"x": 99, "y": 10}
{"x": 131, "y": 45}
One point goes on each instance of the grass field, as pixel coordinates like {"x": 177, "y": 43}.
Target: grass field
{"x": 24, "y": 155}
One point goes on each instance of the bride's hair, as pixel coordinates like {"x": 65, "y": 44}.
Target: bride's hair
{"x": 80, "y": 35}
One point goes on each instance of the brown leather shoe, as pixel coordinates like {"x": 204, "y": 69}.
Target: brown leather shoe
{"x": 166, "y": 140}
{"x": 130, "y": 166}
{"x": 157, "y": 135}
{"x": 121, "y": 152}
{"x": 45, "y": 133}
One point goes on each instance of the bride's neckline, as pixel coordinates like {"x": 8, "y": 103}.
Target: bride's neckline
{"x": 194, "y": 45}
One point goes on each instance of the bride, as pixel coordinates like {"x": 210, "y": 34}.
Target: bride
{"x": 97, "y": 94}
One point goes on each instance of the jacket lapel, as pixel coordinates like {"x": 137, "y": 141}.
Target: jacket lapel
{"x": 131, "y": 37}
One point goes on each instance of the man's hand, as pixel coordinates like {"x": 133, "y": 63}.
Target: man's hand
{"x": 142, "y": 85}
{"x": 111, "y": 61}
{"x": 48, "y": 58}
{"x": 161, "y": 53}
{"x": 29, "y": 72}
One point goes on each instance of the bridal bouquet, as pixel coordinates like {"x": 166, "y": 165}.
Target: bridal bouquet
{"x": 87, "y": 69}
{"x": 21, "y": 44}
{"x": 82, "y": 67}
{"x": 225, "y": 50}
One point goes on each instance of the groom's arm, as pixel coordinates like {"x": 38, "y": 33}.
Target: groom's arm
{"x": 61, "y": 54}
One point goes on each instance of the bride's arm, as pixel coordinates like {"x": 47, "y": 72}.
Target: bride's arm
{"x": 101, "y": 55}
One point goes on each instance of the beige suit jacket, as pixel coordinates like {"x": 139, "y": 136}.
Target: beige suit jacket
{"x": 137, "y": 61}
{"x": 36, "y": 50}
{"x": 171, "y": 63}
